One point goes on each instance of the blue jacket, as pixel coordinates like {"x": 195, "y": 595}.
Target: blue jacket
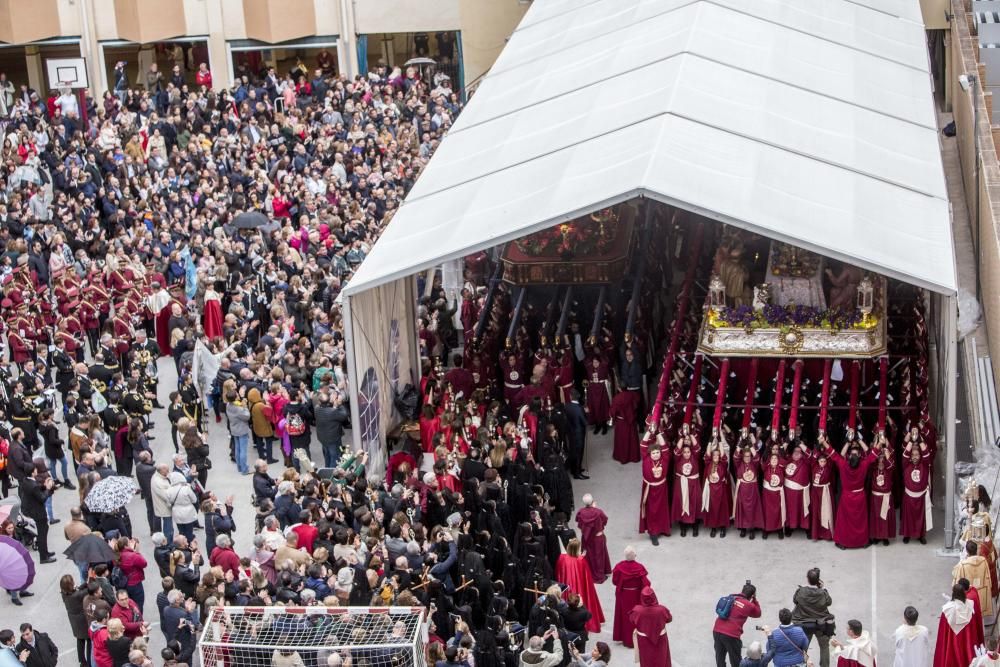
{"x": 786, "y": 644}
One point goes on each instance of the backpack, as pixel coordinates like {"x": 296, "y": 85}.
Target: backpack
{"x": 724, "y": 606}
{"x": 118, "y": 579}
{"x": 295, "y": 425}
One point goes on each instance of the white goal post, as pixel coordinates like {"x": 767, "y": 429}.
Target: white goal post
{"x": 314, "y": 636}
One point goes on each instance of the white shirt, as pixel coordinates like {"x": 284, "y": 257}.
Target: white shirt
{"x": 67, "y": 103}
{"x": 913, "y": 646}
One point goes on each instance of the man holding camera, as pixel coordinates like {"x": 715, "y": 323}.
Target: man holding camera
{"x": 728, "y": 630}
{"x": 812, "y": 614}
{"x": 787, "y": 644}
{"x": 536, "y": 655}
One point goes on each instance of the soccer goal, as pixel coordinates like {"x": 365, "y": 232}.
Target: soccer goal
{"x": 313, "y": 637}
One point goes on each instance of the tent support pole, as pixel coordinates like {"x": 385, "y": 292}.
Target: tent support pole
{"x": 949, "y": 312}
{"x": 352, "y": 372}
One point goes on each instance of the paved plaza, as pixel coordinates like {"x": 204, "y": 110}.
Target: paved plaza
{"x": 689, "y": 574}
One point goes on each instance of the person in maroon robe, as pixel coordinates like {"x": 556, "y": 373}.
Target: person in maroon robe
{"x": 513, "y": 378}
{"x": 623, "y": 414}
{"x": 797, "y": 495}
{"x": 460, "y": 378}
{"x": 747, "y": 511}
{"x": 598, "y": 394}
{"x": 882, "y": 512}
{"x": 772, "y": 496}
{"x": 687, "y": 482}
{"x": 469, "y": 315}
{"x": 654, "y": 503}
{"x": 916, "y": 492}
{"x": 592, "y": 521}
{"x": 821, "y": 496}
{"x": 850, "y": 529}
{"x": 572, "y": 569}
{"x": 716, "y": 495}
{"x": 629, "y": 578}
{"x": 650, "y": 619}
{"x": 564, "y": 376}
{"x": 956, "y": 635}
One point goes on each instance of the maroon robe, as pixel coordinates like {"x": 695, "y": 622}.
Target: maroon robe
{"x": 850, "y": 529}
{"x": 598, "y": 393}
{"x": 575, "y": 573}
{"x": 650, "y": 620}
{"x": 821, "y": 492}
{"x": 882, "y": 509}
{"x": 592, "y": 521}
{"x": 513, "y": 381}
{"x": 772, "y": 496}
{"x": 564, "y": 377}
{"x": 469, "y": 317}
{"x": 747, "y": 510}
{"x": 623, "y": 413}
{"x": 916, "y": 486}
{"x": 462, "y": 381}
{"x": 629, "y": 578}
{"x": 654, "y": 503}
{"x": 687, "y": 475}
{"x": 797, "y": 505}
{"x": 717, "y": 497}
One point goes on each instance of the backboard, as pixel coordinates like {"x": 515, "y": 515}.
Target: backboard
{"x": 67, "y": 72}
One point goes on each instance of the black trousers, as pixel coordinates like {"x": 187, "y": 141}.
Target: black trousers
{"x": 43, "y": 537}
{"x": 727, "y": 646}
{"x": 577, "y": 443}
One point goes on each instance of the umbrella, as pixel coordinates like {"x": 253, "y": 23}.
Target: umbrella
{"x": 90, "y": 548}
{"x": 419, "y": 61}
{"x": 111, "y": 494}
{"x": 250, "y": 220}
{"x": 17, "y": 570}
{"x": 24, "y": 174}
{"x": 9, "y": 509}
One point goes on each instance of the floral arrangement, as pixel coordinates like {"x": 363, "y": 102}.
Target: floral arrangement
{"x": 773, "y": 316}
{"x": 585, "y": 236}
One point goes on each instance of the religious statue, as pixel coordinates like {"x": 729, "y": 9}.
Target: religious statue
{"x": 844, "y": 287}
{"x": 735, "y": 275}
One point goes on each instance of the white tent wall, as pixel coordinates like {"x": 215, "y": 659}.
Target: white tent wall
{"x": 382, "y": 358}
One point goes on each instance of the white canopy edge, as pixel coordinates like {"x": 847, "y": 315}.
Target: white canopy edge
{"x": 811, "y": 123}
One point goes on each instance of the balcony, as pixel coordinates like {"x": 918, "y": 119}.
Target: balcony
{"x": 144, "y": 22}
{"x": 22, "y": 22}
{"x": 275, "y": 21}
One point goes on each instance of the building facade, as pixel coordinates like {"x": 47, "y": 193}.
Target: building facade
{"x": 231, "y": 36}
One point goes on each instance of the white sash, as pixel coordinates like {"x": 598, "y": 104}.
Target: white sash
{"x": 685, "y": 493}
{"x": 781, "y": 497}
{"x": 928, "y": 514}
{"x": 884, "y": 510}
{"x": 795, "y": 486}
{"x": 826, "y": 508}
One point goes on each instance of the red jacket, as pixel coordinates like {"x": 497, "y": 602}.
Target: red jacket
{"x": 229, "y": 561}
{"x": 131, "y": 618}
{"x": 99, "y": 638}
{"x": 741, "y": 611}
{"x": 133, "y": 564}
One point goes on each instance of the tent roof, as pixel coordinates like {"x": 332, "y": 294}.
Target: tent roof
{"x": 810, "y": 122}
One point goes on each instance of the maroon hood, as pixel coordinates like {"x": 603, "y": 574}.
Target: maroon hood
{"x": 648, "y": 597}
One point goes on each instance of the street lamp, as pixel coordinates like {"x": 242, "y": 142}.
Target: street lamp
{"x": 970, "y": 81}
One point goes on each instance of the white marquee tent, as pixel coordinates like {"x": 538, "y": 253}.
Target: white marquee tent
{"x": 808, "y": 122}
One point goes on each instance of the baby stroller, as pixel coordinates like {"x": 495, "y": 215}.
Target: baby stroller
{"x": 26, "y": 532}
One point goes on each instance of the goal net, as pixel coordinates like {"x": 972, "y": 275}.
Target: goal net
{"x": 313, "y": 637}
